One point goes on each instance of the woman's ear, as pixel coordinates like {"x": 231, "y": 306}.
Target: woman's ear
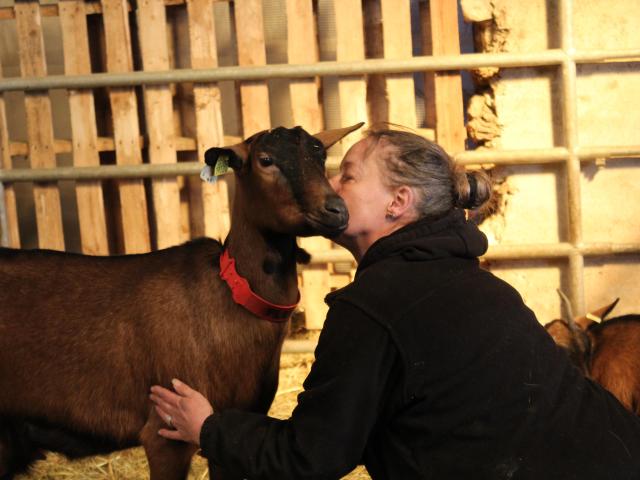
{"x": 403, "y": 202}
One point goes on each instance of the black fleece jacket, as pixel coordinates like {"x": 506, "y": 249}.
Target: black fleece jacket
{"x": 430, "y": 367}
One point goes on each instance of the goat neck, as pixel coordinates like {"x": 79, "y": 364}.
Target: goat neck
{"x": 266, "y": 259}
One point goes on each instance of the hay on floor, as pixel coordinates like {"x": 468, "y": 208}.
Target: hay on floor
{"x": 132, "y": 464}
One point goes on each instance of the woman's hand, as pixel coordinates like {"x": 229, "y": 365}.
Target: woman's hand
{"x": 185, "y": 411}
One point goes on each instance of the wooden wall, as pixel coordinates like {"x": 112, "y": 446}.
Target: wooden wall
{"x": 176, "y": 122}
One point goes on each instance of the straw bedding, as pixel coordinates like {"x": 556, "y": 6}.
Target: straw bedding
{"x": 131, "y": 464}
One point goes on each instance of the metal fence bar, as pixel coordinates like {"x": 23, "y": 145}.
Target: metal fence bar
{"x": 561, "y": 250}
{"x": 570, "y": 131}
{"x": 103, "y": 172}
{"x": 512, "y": 157}
{"x": 498, "y": 157}
{"x": 378, "y": 65}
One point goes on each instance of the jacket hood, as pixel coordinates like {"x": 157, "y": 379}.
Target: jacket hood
{"x": 427, "y": 239}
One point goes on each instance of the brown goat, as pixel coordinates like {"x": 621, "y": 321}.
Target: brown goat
{"x": 82, "y": 338}
{"x": 607, "y": 352}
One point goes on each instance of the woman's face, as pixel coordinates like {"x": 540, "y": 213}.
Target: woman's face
{"x": 361, "y": 185}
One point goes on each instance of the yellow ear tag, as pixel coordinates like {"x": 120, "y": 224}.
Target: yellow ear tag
{"x": 222, "y": 165}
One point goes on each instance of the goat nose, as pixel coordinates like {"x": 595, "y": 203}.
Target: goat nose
{"x": 335, "y": 205}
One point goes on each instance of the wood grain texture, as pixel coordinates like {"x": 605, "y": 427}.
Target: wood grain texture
{"x": 39, "y": 125}
{"x": 396, "y": 30}
{"x": 445, "y": 40}
{"x": 307, "y": 112}
{"x": 254, "y": 95}
{"x": 208, "y": 113}
{"x": 158, "y": 106}
{"x": 91, "y": 212}
{"x": 10, "y": 204}
{"x": 133, "y": 203}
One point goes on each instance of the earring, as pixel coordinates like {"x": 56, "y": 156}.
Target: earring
{"x": 389, "y": 215}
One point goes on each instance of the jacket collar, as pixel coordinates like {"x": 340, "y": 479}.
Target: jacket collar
{"x": 428, "y": 239}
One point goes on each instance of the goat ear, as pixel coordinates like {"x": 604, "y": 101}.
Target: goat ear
{"x": 598, "y": 315}
{"x": 605, "y": 311}
{"x": 329, "y": 137}
{"x": 234, "y": 156}
{"x": 220, "y": 159}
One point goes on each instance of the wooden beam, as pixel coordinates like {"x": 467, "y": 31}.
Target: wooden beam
{"x": 39, "y": 124}
{"x": 307, "y": 112}
{"x": 350, "y": 47}
{"x": 445, "y": 40}
{"x": 133, "y": 203}
{"x": 158, "y": 106}
{"x": 396, "y": 30}
{"x": 254, "y": 95}
{"x": 91, "y": 212}
{"x": 5, "y": 163}
{"x": 214, "y": 198}
{"x": 91, "y": 7}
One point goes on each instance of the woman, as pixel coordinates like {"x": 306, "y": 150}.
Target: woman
{"x": 427, "y": 366}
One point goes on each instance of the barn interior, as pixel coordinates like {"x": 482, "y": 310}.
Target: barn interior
{"x": 107, "y": 107}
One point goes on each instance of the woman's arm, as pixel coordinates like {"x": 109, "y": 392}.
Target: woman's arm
{"x": 328, "y": 430}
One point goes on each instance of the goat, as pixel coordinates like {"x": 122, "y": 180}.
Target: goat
{"x": 607, "y": 352}
{"x": 83, "y": 338}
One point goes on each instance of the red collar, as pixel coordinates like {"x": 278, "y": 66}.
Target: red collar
{"x": 243, "y": 295}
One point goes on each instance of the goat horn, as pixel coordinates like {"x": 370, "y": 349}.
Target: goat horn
{"x": 329, "y": 137}
{"x": 569, "y": 310}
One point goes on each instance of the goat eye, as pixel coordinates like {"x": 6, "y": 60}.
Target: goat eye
{"x": 266, "y": 161}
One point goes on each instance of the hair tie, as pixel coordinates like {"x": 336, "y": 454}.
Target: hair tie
{"x": 473, "y": 188}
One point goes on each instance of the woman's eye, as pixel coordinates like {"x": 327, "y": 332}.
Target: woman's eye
{"x": 266, "y": 161}
{"x": 346, "y": 178}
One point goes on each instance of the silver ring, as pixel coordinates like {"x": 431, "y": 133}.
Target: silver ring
{"x": 168, "y": 420}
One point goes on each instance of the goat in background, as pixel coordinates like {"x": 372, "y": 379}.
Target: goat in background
{"x": 607, "y": 352}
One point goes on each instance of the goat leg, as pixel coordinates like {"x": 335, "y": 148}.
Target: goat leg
{"x": 168, "y": 459}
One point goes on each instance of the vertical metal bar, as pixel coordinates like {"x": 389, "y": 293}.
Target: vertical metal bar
{"x": 570, "y": 129}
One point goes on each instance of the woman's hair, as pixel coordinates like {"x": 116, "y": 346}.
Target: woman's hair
{"x": 440, "y": 184}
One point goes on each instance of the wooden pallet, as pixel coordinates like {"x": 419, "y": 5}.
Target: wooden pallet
{"x": 164, "y": 124}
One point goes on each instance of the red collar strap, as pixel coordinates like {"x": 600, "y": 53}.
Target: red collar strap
{"x": 243, "y": 295}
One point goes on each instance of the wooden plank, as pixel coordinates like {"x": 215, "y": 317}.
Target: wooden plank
{"x": 350, "y": 47}
{"x": 208, "y": 112}
{"x": 39, "y": 124}
{"x": 396, "y": 30}
{"x": 306, "y": 110}
{"x": 429, "y": 77}
{"x": 91, "y": 214}
{"x": 11, "y": 207}
{"x": 302, "y": 48}
{"x": 191, "y": 209}
{"x": 91, "y": 7}
{"x": 158, "y": 104}
{"x": 445, "y": 40}
{"x": 133, "y": 204}
{"x": 254, "y": 96}
{"x": 377, "y": 102}
{"x": 107, "y": 144}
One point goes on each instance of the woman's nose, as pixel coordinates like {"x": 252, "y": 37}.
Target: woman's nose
{"x": 334, "y": 182}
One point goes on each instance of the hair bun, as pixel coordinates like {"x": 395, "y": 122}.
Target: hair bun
{"x": 474, "y": 189}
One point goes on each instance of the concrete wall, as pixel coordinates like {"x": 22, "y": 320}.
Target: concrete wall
{"x": 525, "y": 104}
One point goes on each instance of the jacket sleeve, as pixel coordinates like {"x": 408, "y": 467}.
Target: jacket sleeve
{"x": 328, "y": 430}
